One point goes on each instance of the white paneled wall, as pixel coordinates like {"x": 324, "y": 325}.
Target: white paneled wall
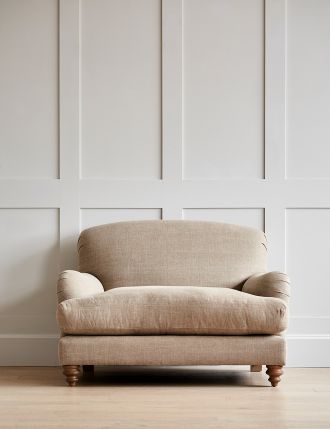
{"x": 177, "y": 109}
{"x": 121, "y": 89}
{"x": 29, "y": 266}
{"x": 308, "y": 89}
{"x": 92, "y": 217}
{"x": 309, "y": 266}
{"x": 254, "y": 218}
{"x": 29, "y": 89}
{"x": 223, "y": 78}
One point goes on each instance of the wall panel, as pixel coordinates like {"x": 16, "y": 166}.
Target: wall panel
{"x": 308, "y": 250}
{"x": 29, "y": 265}
{"x": 93, "y": 217}
{"x": 253, "y": 218}
{"x": 29, "y": 89}
{"x": 308, "y": 88}
{"x": 121, "y": 88}
{"x": 223, "y": 81}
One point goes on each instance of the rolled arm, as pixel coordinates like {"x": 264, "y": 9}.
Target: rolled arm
{"x": 273, "y": 284}
{"x": 73, "y": 284}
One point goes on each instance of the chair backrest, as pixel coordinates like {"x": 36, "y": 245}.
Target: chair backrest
{"x": 185, "y": 253}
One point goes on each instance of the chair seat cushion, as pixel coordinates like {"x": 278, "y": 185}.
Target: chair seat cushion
{"x": 180, "y": 310}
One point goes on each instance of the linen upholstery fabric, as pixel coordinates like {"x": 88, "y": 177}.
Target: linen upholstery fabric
{"x": 172, "y": 253}
{"x": 209, "y": 276}
{"x": 72, "y": 284}
{"x": 172, "y": 350}
{"x": 142, "y": 310}
{"x": 274, "y": 284}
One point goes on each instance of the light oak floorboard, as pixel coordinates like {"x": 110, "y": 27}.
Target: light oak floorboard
{"x": 164, "y": 398}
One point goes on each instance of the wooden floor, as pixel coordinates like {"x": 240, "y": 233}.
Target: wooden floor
{"x": 166, "y": 398}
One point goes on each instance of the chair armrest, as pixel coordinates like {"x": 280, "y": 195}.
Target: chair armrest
{"x": 273, "y": 284}
{"x": 73, "y": 284}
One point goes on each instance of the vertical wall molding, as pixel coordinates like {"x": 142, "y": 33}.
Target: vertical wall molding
{"x": 69, "y": 129}
{"x": 172, "y": 22}
{"x": 275, "y": 59}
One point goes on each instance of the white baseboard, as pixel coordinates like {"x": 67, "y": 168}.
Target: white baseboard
{"x": 28, "y": 350}
{"x": 41, "y": 350}
{"x": 308, "y": 350}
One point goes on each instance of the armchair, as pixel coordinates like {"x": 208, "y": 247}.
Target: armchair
{"x": 172, "y": 293}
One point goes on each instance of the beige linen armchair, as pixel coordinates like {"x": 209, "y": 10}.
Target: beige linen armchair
{"x": 172, "y": 293}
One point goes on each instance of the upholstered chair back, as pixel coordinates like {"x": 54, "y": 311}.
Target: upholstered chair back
{"x": 172, "y": 253}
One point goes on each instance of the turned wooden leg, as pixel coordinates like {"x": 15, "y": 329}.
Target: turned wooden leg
{"x": 71, "y": 373}
{"x": 274, "y": 372}
{"x": 88, "y": 369}
{"x": 256, "y": 368}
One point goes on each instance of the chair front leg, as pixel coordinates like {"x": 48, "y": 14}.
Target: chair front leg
{"x": 274, "y": 372}
{"x": 71, "y": 373}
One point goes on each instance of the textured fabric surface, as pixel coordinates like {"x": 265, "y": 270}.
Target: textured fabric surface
{"x": 273, "y": 284}
{"x": 172, "y": 253}
{"x": 172, "y": 350}
{"x": 72, "y": 284}
{"x": 172, "y": 310}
